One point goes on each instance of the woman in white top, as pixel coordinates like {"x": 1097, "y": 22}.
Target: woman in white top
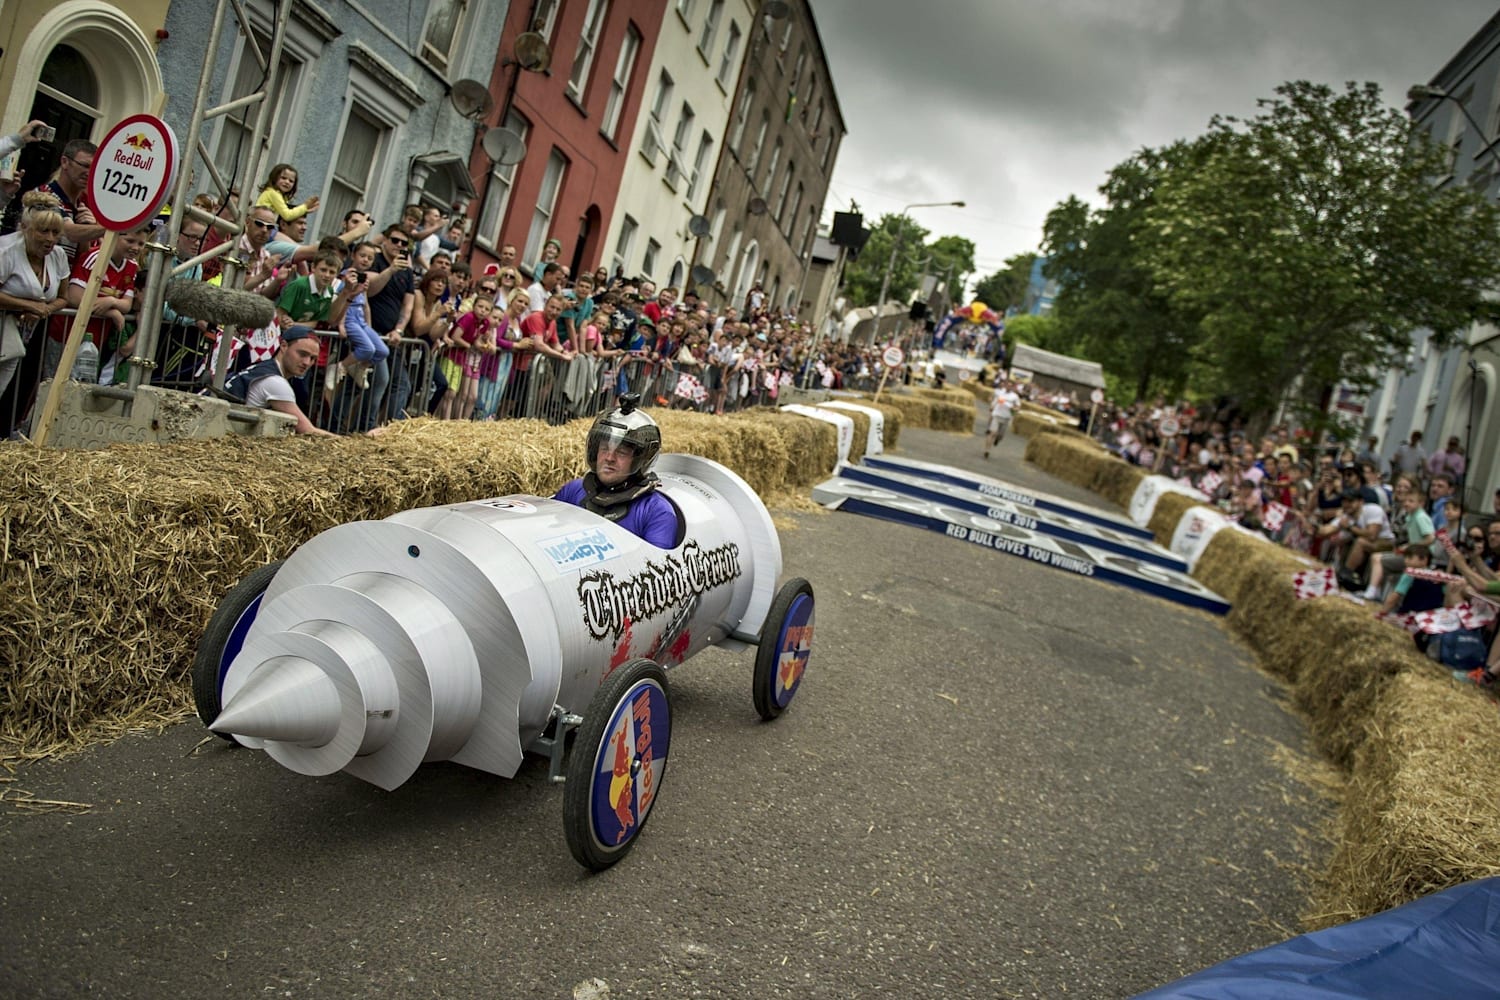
{"x": 33, "y": 269}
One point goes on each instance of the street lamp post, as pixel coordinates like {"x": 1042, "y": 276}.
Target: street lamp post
{"x": 890, "y": 265}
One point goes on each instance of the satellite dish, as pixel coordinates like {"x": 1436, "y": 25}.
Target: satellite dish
{"x": 702, "y": 275}
{"x": 757, "y": 206}
{"x": 504, "y": 146}
{"x": 532, "y": 52}
{"x": 776, "y": 9}
{"x": 471, "y": 98}
{"x": 698, "y": 226}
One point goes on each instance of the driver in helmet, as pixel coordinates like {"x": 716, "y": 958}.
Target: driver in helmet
{"x": 619, "y": 486}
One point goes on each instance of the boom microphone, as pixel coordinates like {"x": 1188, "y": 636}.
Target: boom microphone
{"x": 220, "y": 306}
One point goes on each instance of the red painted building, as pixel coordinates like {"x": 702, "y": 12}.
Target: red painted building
{"x": 576, "y": 116}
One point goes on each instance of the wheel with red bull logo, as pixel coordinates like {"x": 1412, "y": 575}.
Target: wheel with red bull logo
{"x": 617, "y": 763}
{"x": 223, "y": 638}
{"x": 785, "y": 644}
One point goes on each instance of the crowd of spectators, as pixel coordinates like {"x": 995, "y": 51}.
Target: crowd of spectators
{"x": 406, "y": 326}
{"x": 1393, "y": 530}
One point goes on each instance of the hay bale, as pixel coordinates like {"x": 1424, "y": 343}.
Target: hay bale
{"x": 914, "y": 412}
{"x": 947, "y": 394}
{"x": 1170, "y": 507}
{"x": 1346, "y": 659}
{"x": 1081, "y": 462}
{"x": 1419, "y": 812}
{"x": 112, "y": 561}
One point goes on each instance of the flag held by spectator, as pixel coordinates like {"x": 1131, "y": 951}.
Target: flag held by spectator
{"x": 1310, "y": 583}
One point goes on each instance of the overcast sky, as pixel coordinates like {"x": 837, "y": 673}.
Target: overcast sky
{"x": 1012, "y": 105}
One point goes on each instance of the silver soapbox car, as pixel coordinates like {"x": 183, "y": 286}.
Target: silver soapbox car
{"x": 481, "y": 631}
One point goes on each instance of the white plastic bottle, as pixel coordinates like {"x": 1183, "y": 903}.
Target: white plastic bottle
{"x": 86, "y": 366}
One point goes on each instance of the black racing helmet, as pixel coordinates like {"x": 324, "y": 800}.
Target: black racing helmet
{"x": 626, "y": 424}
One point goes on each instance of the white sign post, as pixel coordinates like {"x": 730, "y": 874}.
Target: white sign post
{"x": 892, "y": 356}
{"x": 1096, "y": 397}
{"x": 132, "y": 172}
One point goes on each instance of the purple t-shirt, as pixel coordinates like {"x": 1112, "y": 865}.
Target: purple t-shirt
{"x": 651, "y": 517}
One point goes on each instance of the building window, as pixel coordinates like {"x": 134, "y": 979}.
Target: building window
{"x": 648, "y": 263}
{"x": 620, "y": 85}
{"x": 685, "y": 10}
{"x": 546, "y": 201}
{"x": 545, "y": 18}
{"x": 786, "y": 34}
{"x": 765, "y": 190}
{"x": 445, "y": 22}
{"x": 791, "y": 214}
{"x": 710, "y": 28}
{"x": 652, "y": 142}
{"x": 731, "y": 50}
{"x": 355, "y": 165}
{"x": 497, "y": 191}
{"x": 753, "y": 160}
{"x": 786, "y": 186}
{"x": 715, "y": 228}
{"x": 801, "y": 64}
{"x": 700, "y": 164}
{"x": 810, "y": 231}
{"x": 684, "y": 128}
{"x": 742, "y": 115}
{"x": 234, "y": 131}
{"x": 588, "y": 41}
{"x": 625, "y": 244}
{"x": 678, "y": 156}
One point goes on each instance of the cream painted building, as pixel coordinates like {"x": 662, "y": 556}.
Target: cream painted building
{"x": 79, "y": 65}
{"x": 689, "y": 89}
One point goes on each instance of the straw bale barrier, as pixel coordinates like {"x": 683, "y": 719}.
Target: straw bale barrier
{"x": 1420, "y": 813}
{"x": 1082, "y": 463}
{"x": 978, "y": 387}
{"x": 938, "y": 415}
{"x": 947, "y": 394}
{"x": 111, "y": 562}
{"x": 1417, "y": 750}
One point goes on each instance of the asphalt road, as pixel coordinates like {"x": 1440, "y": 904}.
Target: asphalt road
{"x": 997, "y": 780}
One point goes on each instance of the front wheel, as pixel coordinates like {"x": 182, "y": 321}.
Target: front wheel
{"x": 616, "y": 767}
{"x": 785, "y": 644}
{"x": 224, "y": 637}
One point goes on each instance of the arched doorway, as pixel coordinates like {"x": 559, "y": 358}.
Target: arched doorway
{"x": 118, "y": 57}
{"x": 679, "y": 271}
{"x": 745, "y": 274}
{"x": 67, "y": 98}
{"x": 586, "y": 246}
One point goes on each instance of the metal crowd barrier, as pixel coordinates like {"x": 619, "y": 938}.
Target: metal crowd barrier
{"x": 414, "y": 380}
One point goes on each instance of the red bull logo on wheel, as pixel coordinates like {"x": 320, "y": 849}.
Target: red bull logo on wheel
{"x": 629, "y": 767}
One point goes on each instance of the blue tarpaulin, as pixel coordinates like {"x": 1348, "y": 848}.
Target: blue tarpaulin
{"x": 1443, "y": 945}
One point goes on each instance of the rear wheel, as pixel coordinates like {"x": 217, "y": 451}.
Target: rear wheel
{"x": 223, "y": 639}
{"x": 785, "y": 645}
{"x": 617, "y": 763}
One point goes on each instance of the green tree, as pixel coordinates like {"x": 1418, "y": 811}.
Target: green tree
{"x": 1038, "y": 331}
{"x": 1109, "y": 307}
{"x": 1310, "y": 241}
{"x": 1007, "y": 287}
{"x": 952, "y": 261}
{"x": 862, "y": 277}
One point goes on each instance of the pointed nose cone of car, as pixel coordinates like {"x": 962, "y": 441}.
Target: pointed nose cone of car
{"x": 289, "y": 699}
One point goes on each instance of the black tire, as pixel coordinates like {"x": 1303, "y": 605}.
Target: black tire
{"x": 791, "y": 608}
{"x": 222, "y": 638}
{"x": 596, "y": 834}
